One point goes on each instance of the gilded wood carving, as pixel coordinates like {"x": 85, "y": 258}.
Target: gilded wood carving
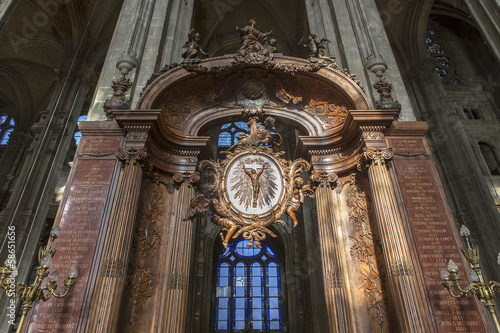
{"x": 253, "y": 187}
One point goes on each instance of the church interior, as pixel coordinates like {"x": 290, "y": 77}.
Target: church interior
{"x": 249, "y": 165}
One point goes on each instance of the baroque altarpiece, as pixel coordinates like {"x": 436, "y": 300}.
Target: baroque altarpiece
{"x": 339, "y": 201}
{"x": 252, "y": 191}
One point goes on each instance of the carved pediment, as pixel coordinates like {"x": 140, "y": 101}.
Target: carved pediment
{"x": 252, "y": 89}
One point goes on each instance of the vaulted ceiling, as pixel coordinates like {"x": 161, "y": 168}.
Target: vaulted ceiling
{"x": 40, "y": 41}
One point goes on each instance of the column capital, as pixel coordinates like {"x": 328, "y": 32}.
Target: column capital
{"x": 132, "y": 156}
{"x": 323, "y": 179}
{"x": 376, "y": 156}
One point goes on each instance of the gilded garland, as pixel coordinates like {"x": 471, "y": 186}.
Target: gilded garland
{"x": 253, "y": 186}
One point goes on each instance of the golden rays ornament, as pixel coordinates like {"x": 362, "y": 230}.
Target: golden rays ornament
{"x": 253, "y": 186}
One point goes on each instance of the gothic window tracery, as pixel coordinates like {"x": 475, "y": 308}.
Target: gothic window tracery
{"x": 7, "y": 125}
{"x": 443, "y": 65}
{"x": 229, "y": 133}
{"x": 248, "y": 290}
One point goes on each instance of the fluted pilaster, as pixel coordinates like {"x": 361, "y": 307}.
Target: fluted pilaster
{"x": 111, "y": 280}
{"x": 339, "y": 300}
{"x": 401, "y": 278}
{"x": 177, "y": 254}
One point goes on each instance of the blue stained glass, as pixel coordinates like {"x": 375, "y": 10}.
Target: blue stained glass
{"x": 432, "y": 32}
{"x": 80, "y": 119}
{"x": 6, "y": 136}
{"x": 435, "y": 49}
{"x": 242, "y": 125}
{"x": 224, "y": 139}
{"x": 239, "y": 291}
{"x": 222, "y": 315}
{"x": 455, "y": 81}
{"x": 258, "y": 325}
{"x": 78, "y": 137}
{"x": 441, "y": 72}
{"x": 3, "y": 119}
{"x": 222, "y": 325}
{"x": 239, "y": 324}
{"x": 428, "y": 40}
{"x": 248, "y": 291}
{"x": 223, "y": 303}
{"x": 243, "y": 251}
{"x": 240, "y": 303}
{"x": 270, "y": 252}
{"x": 273, "y": 292}
{"x": 226, "y": 126}
{"x": 12, "y": 122}
{"x": 226, "y": 252}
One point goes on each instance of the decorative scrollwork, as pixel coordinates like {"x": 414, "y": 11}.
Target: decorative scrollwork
{"x": 253, "y": 187}
{"x": 323, "y": 178}
{"x": 147, "y": 241}
{"x": 132, "y": 156}
{"x": 364, "y": 250}
{"x": 378, "y": 156}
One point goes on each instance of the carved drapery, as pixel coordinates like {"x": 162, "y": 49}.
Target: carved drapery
{"x": 335, "y": 272}
{"x": 111, "y": 279}
{"x": 402, "y": 282}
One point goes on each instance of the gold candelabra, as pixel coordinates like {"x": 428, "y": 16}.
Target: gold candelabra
{"x": 33, "y": 293}
{"x": 485, "y": 292}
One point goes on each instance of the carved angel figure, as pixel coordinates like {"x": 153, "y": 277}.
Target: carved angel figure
{"x": 299, "y": 190}
{"x": 255, "y": 46}
{"x": 259, "y": 135}
{"x": 316, "y": 48}
{"x": 250, "y": 35}
{"x": 193, "y": 47}
{"x": 220, "y": 215}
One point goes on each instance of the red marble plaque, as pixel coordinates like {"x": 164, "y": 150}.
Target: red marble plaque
{"x": 80, "y": 224}
{"x": 433, "y": 234}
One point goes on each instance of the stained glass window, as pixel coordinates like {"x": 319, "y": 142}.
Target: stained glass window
{"x": 443, "y": 64}
{"x": 229, "y": 133}
{"x": 248, "y": 294}
{"x": 78, "y": 135}
{"x": 6, "y": 128}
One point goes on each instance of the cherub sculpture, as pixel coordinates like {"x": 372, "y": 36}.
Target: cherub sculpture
{"x": 299, "y": 190}
{"x": 222, "y": 216}
{"x": 193, "y": 47}
{"x": 316, "y": 47}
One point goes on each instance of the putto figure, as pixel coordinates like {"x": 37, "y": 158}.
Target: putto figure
{"x": 222, "y": 216}
{"x": 316, "y": 47}
{"x": 255, "y": 46}
{"x": 193, "y": 47}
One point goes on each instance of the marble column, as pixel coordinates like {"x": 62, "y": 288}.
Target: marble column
{"x": 339, "y": 300}
{"x": 401, "y": 277}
